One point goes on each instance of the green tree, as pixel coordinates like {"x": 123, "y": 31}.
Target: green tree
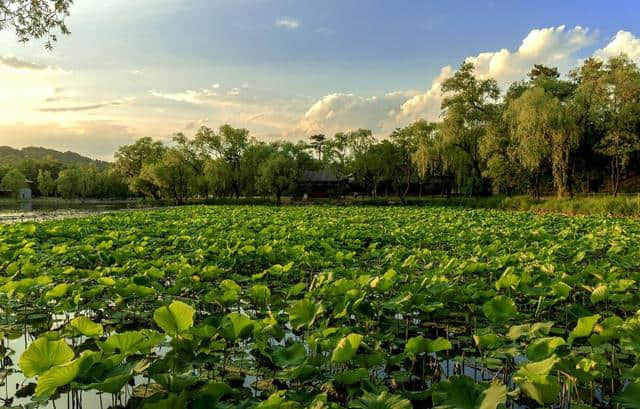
{"x": 278, "y": 175}
{"x": 68, "y": 183}
{"x": 468, "y": 106}
{"x": 46, "y": 184}
{"x": 173, "y": 175}
{"x": 130, "y": 160}
{"x": 34, "y": 19}
{"x": 218, "y": 176}
{"x": 229, "y": 144}
{"x": 620, "y": 107}
{"x": 13, "y": 181}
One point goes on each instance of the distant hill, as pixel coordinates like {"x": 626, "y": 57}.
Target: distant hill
{"x": 10, "y": 155}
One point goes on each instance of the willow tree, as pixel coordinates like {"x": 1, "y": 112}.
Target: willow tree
{"x": 544, "y": 127}
{"x": 425, "y": 157}
{"x": 621, "y": 110}
{"x": 469, "y": 104}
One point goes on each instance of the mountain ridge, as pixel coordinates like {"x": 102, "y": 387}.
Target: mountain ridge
{"x": 10, "y": 155}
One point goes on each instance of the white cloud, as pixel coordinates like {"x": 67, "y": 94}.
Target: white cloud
{"x": 342, "y": 111}
{"x": 289, "y": 23}
{"x": 624, "y": 42}
{"x": 215, "y": 86}
{"x": 18, "y": 64}
{"x": 555, "y": 46}
{"x": 188, "y": 96}
{"x": 233, "y": 91}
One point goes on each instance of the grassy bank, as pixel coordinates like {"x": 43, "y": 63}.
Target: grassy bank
{"x": 627, "y": 206}
{"x": 601, "y": 205}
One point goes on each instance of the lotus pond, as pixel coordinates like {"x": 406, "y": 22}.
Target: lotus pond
{"x": 320, "y": 307}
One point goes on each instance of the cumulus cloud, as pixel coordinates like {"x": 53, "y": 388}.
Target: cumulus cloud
{"x": 555, "y": 46}
{"x": 623, "y": 42}
{"x": 289, "y": 23}
{"x": 342, "y": 111}
{"x": 18, "y": 64}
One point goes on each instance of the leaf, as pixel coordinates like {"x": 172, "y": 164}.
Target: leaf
{"x": 57, "y": 291}
{"x": 352, "y": 376}
{"x": 419, "y": 345}
{"x": 630, "y": 396}
{"x": 215, "y": 390}
{"x": 561, "y": 289}
{"x": 383, "y": 401}
{"x": 529, "y": 330}
{"x": 236, "y": 326}
{"x": 44, "y": 354}
{"x": 461, "y": 392}
{"x": 84, "y": 326}
{"x": 303, "y": 313}
{"x": 599, "y": 293}
{"x": 543, "y": 348}
{"x": 346, "y": 348}
{"x": 493, "y": 396}
{"x": 287, "y": 357}
{"x": 584, "y": 327}
{"x": 174, "y": 319}
{"x": 56, "y": 377}
{"x": 130, "y": 342}
{"x": 534, "y": 380}
{"x": 500, "y": 309}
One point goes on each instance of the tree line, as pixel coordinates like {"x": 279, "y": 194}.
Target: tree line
{"x": 546, "y": 133}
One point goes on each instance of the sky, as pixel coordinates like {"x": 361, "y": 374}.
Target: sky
{"x": 283, "y": 69}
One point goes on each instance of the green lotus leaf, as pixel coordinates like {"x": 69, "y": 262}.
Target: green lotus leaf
{"x": 277, "y": 400}
{"x": 58, "y": 291}
{"x": 488, "y": 341}
{"x": 543, "y": 348}
{"x": 236, "y": 326}
{"x": 84, "y": 326}
{"x": 287, "y": 357}
{"x": 630, "y": 396}
{"x": 303, "y": 313}
{"x": 418, "y": 345}
{"x": 600, "y": 293}
{"x": 383, "y": 401}
{"x": 173, "y": 401}
{"x": 461, "y": 392}
{"x": 44, "y": 354}
{"x": 544, "y": 390}
{"x": 130, "y": 342}
{"x": 214, "y": 390}
{"x": 529, "y": 330}
{"x": 260, "y": 294}
{"x": 351, "y": 376}
{"x": 561, "y": 289}
{"x": 174, "y": 319}
{"x": 500, "y": 309}
{"x": 584, "y": 327}
{"x": 346, "y": 348}
{"x": 56, "y": 377}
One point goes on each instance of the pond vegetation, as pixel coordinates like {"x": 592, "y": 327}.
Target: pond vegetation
{"x": 320, "y": 307}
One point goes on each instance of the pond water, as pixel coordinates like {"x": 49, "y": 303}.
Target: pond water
{"x": 20, "y": 211}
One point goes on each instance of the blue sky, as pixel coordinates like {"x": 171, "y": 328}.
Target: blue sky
{"x": 283, "y": 69}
